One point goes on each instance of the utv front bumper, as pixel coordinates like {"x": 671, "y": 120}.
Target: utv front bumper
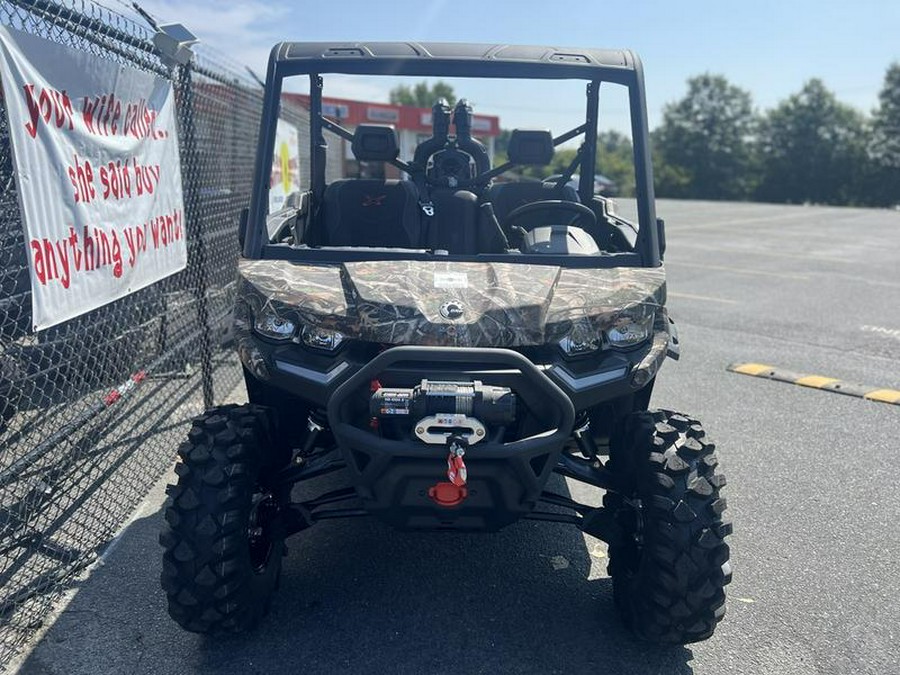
{"x": 315, "y": 376}
{"x": 395, "y": 478}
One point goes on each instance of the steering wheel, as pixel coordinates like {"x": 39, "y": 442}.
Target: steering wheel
{"x": 580, "y": 214}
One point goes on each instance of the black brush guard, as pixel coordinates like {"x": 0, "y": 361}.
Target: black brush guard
{"x": 505, "y": 480}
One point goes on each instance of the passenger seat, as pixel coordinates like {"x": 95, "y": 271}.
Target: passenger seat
{"x": 372, "y": 212}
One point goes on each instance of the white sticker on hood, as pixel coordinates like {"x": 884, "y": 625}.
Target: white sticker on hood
{"x": 451, "y": 280}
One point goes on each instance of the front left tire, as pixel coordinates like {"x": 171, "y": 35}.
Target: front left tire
{"x": 224, "y": 538}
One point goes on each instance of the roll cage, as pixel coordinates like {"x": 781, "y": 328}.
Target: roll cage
{"x": 290, "y": 59}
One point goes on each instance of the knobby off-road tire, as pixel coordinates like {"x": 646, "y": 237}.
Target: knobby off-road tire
{"x": 670, "y": 567}
{"x": 223, "y": 539}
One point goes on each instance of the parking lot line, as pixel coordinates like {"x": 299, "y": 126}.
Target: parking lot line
{"x": 707, "y": 298}
{"x": 739, "y": 270}
{"x": 743, "y": 250}
{"x": 714, "y": 224}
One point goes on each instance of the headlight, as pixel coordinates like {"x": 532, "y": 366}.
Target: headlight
{"x": 321, "y": 338}
{"x": 629, "y": 331}
{"x": 270, "y": 325}
{"x": 582, "y": 339}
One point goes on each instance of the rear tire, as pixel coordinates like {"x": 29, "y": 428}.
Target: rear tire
{"x": 670, "y": 566}
{"x": 224, "y": 539}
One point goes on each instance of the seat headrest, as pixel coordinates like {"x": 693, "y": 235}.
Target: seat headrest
{"x": 375, "y": 143}
{"x": 530, "y": 146}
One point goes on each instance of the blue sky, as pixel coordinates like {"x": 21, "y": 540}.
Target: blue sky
{"x": 767, "y": 47}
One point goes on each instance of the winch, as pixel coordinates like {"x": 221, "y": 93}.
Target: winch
{"x": 437, "y": 410}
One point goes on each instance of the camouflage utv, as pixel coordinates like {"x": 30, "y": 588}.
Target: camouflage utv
{"x": 448, "y": 340}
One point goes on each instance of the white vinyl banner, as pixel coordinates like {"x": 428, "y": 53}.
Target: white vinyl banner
{"x": 98, "y": 171}
{"x": 285, "y": 165}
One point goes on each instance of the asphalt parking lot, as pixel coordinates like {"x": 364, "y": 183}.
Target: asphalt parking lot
{"x": 812, "y": 492}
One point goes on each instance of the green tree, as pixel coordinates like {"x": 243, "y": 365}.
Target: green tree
{"x": 615, "y": 159}
{"x": 422, "y": 95}
{"x": 560, "y": 162}
{"x": 813, "y": 149}
{"x": 705, "y": 142}
{"x": 884, "y": 144}
{"x": 501, "y": 146}
{"x": 669, "y": 180}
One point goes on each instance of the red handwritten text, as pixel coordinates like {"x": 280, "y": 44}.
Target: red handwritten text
{"x": 97, "y": 248}
{"x": 47, "y": 105}
{"x": 82, "y": 177}
{"x": 101, "y": 114}
{"x": 115, "y": 180}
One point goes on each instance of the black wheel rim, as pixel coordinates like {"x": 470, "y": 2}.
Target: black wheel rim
{"x": 630, "y": 519}
{"x": 261, "y": 530}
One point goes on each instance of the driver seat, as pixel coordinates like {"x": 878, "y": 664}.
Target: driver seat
{"x": 527, "y": 147}
{"x": 505, "y": 197}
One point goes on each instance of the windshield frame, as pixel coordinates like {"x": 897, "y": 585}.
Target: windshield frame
{"x": 317, "y": 59}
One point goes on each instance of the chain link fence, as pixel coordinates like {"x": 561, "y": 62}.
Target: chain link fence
{"x": 91, "y": 410}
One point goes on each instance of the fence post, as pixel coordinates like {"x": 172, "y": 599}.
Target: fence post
{"x": 197, "y": 257}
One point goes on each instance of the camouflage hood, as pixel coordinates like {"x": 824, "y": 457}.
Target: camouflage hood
{"x": 449, "y": 303}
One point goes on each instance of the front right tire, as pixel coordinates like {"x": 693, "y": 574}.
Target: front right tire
{"x": 670, "y": 565}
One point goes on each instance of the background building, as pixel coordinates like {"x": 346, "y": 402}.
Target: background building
{"x": 413, "y": 126}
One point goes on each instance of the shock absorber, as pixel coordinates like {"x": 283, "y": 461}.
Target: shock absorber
{"x": 584, "y": 439}
{"x": 316, "y": 423}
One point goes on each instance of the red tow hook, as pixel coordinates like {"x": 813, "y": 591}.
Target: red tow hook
{"x": 452, "y": 493}
{"x": 447, "y": 494}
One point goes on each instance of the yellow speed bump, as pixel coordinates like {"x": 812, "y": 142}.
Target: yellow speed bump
{"x": 831, "y": 384}
{"x": 755, "y": 369}
{"x": 885, "y": 395}
{"x": 816, "y": 381}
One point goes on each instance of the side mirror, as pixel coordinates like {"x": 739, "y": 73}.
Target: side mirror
{"x": 661, "y": 236}
{"x": 242, "y": 226}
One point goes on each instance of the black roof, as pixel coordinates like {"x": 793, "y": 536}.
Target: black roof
{"x": 453, "y": 59}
